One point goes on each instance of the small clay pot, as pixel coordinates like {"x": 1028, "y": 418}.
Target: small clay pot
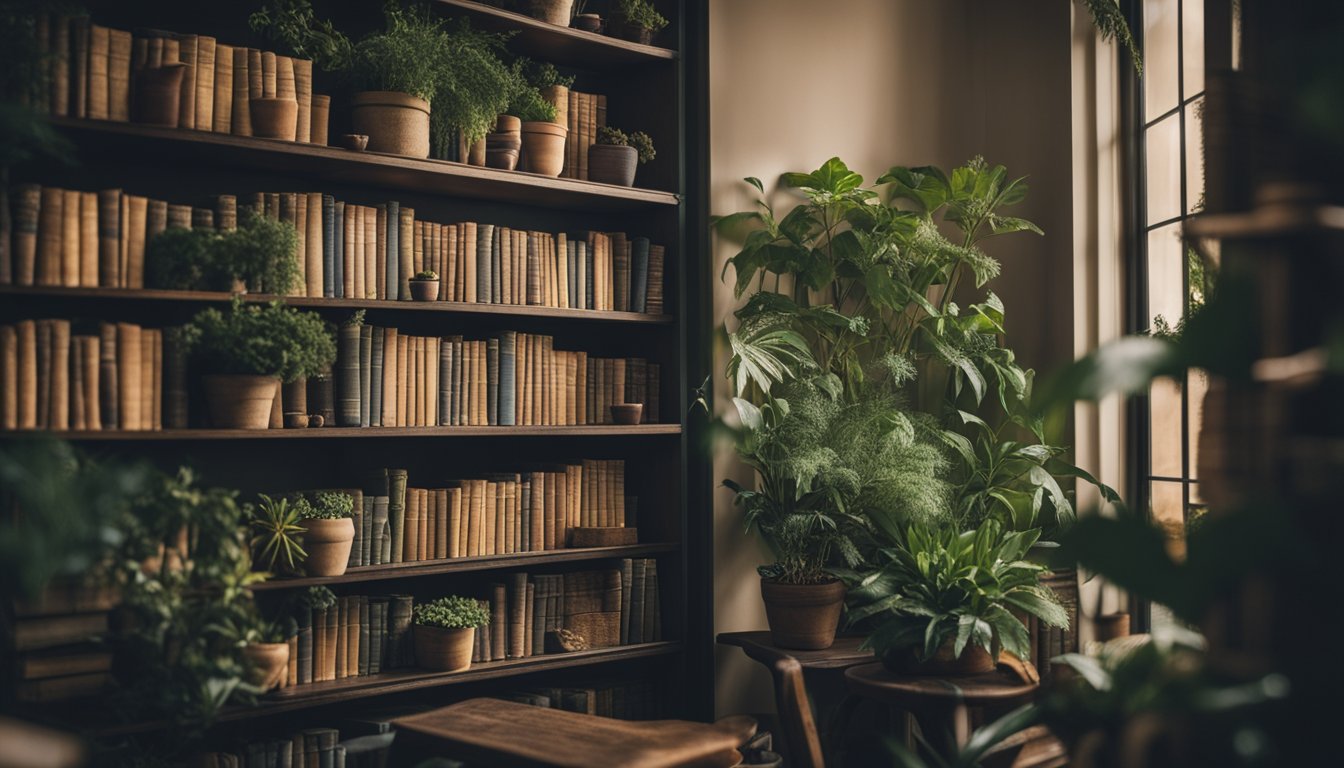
{"x": 424, "y": 290}
{"x": 503, "y": 159}
{"x": 355, "y": 142}
{"x": 551, "y": 11}
{"x": 319, "y": 117}
{"x": 396, "y": 123}
{"x": 627, "y": 413}
{"x": 296, "y": 421}
{"x": 443, "y": 650}
{"x": 974, "y": 660}
{"x": 803, "y": 616}
{"x": 266, "y": 663}
{"x": 612, "y": 164}
{"x": 316, "y": 421}
{"x": 240, "y": 401}
{"x": 294, "y": 400}
{"x": 504, "y": 140}
{"x": 588, "y": 22}
{"x": 328, "y": 544}
{"x": 508, "y": 124}
{"x": 158, "y": 91}
{"x": 558, "y": 97}
{"x": 476, "y": 152}
{"x": 274, "y": 117}
{"x": 544, "y": 147}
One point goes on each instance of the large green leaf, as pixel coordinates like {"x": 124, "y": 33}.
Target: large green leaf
{"x": 1039, "y": 603}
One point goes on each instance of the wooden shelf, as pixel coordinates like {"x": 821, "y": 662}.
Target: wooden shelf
{"x": 341, "y": 433}
{"x": 171, "y": 145}
{"x": 451, "y": 307}
{"x": 558, "y": 45}
{"x": 403, "y": 680}
{"x": 369, "y": 573}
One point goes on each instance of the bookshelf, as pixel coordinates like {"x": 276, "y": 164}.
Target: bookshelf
{"x": 652, "y": 88}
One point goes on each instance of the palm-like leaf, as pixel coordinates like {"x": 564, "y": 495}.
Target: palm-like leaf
{"x": 766, "y": 356}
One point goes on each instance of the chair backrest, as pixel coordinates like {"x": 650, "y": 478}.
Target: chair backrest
{"x": 795, "y": 714}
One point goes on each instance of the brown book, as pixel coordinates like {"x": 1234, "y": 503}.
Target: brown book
{"x": 442, "y": 520}
{"x": 109, "y": 393}
{"x": 136, "y": 219}
{"x": 129, "y": 371}
{"x": 119, "y": 48}
{"x": 70, "y": 237}
{"x": 58, "y": 376}
{"x": 379, "y": 252}
{"x": 356, "y": 247}
{"x": 499, "y": 621}
{"x": 342, "y": 611}
{"x": 27, "y": 215}
{"x": 352, "y": 636}
{"x": 109, "y": 238}
{"x": 313, "y": 245}
{"x": 88, "y": 356}
{"x": 27, "y": 374}
{"x": 79, "y": 66}
{"x": 188, "y": 48}
{"x": 62, "y": 663}
{"x": 406, "y": 225}
{"x": 404, "y": 379}
{"x": 62, "y": 688}
{"x": 44, "y": 374}
{"x": 390, "y": 377}
{"x": 49, "y": 233}
{"x": 348, "y": 271}
{"x": 172, "y": 51}
{"x": 303, "y": 92}
{"x": 154, "y": 56}
{"x": 517, "y": 615}
{"x": 268, "y": 75}
{"x": 30, "y": 634}
{"x": 60, "y": 66}
{"x": 204, "y": 84}
{"x": 284, "y": 78}
{"x": 456, "y": 540}
{"x": 571, "y": 166}
{"x": 240, "y": 116}
{"x": 9, "y": 377}
{"x": 467, "y": 257}
{"x": 419, "y": 382}
{"x": 372, "y": 275}
{"x": 221, "y": 111}
{"x": 147, "y": 378}
{"x": 87, "y": 247}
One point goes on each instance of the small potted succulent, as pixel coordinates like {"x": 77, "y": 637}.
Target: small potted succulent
{"x": 328, "y": 531}
{"x": 277, "y": 536}
{"x": 543, "y": 138}
{"x": 639, "y": 20}
{"x": 445, "y": 631}
{"x": 247, "y": 351}
{"x": 612, "y": 160}
{"x": 425, "y": 286}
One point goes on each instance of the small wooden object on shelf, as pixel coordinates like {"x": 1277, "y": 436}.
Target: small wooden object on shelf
{"x": 604, "y": 536}
{"x": 355, "y": 142}
{"x": 627, "y": 413}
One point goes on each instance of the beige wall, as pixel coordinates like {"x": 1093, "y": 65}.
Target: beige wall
{"x": 880, "y": 83}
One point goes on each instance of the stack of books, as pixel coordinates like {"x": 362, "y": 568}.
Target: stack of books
{"x": 56, "y": 640}
{"x": 587, "y": 112}
{"x": 359, "y": 635}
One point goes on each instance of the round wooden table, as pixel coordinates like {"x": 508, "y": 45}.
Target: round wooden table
{"x": 939, "y": 704}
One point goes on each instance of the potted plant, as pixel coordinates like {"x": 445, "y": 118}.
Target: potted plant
{"x": 266, "y": 653}
{"x": 328, "y": 531}
{"x": 639, "y": 20}
{"x": 588, "y": 22}
{"x": 274, "y": 117}
{"x": 445, "y": 630}
{"x": 551, "y": 11}
{"x": 246, "y": 352}
{"x": 258, "y": 255}
{"x": 613, "y": 158}
{"x": 277, "y": 545}
{"x": 943, "y": 601}
{"x": 425, "y": 286}
{"x": 158, "y": 91}
{"x": 543, "y": 138}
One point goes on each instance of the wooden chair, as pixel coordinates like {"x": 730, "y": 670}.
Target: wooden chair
{"x": 795, "y": 714}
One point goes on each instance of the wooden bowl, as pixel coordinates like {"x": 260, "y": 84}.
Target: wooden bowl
{"x": 627, "y": 413}
{"x": 355, "y": 142}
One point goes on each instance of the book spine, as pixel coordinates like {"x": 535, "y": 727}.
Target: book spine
{"x": 348, "y": 376}
{"x": 405, "y": 224}
{"x": 402, "y": 654}
{"x": 396, "y": 511}
{"x": 313, "y": 239}
{"x": 392, "y": 247}
{"x": 303, "y": 92}
{"x": 204, "y": 84}
{"x": 222, "y": 109}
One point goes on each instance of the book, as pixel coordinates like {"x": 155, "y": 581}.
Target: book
{"x": 303, "y": 94}
{"x": 62, "y": 688}
{"x": 30, "y": 634}
{"x": 187, "y": 46}
{"x": 204, "y": 84}
{"x": 221, "y": 109}
{"x": 401, "y": 652}
{"x": 60, "y": 662}
{"x": 240, "y": 118}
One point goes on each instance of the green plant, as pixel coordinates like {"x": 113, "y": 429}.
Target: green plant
{"x": 642, "y": 14}
{"x": 268, "y": 340}
{"x": 181, "y": 259}
{"x": 528, "y": 106}
{"x": 639, "y": 140}
{"x": 277, "y": 541}
{"x": 330, "y": 505}
{"x": 293, "y": 23}
{"x": 260, "y": 252}
{"x": 544, "y": 75}
{"x": 941, "y": 585}
{"x": 427, "y": 274}
{"x": 355, "y": 319}
{"x": 453, "y": 612}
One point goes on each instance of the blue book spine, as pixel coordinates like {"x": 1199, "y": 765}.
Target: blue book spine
{"x": 639, "y": 274}
{"x": 393, "y": 251}
{"x": 338, "y": 252}
{"x": 508, "y": 386}
{"x": 484, "y": 238}
{"x": 328, "y": 246}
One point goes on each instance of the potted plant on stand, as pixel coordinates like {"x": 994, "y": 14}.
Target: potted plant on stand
{"x": 445, "y": 630}
{"x": 246, "y": 352}
{"x": 425, "y": 286}
{"x": 613, "y": 158}
{"x": 328, "y": 531}
{"x": 277, "y": 545}
{"x": 638, "y": 20}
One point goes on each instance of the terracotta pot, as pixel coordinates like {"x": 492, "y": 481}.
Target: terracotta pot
{"x": 425, "y": 290}
{"x": 266, "y": 663}
{"x": 241, "y": 401}
{"x": 476, "y": 152}
{"x": 1110, "y": 626}
{"x": 544, "y": 148}
{"x": 396, "y": 123}
{"x": 974, "y": 660}
{"x": 508, "y": 124}
{"x": 274, "y": 118}
{"x": 611, "y": 164}
{"x": 503, "y": 159}
{"x": 627, "y": 31}
{"x": 803, "y": 616}
{"x": 317, "y": 131}
{"x": 627, "y": 413}
{"x": 327, "y": 543}
{"x": 444, "y": 650}
{"x": 504, "y": 140}
{"x": 588, "y": 22}
{"x": 552, "y": 11}
{"x": 158, "y": 91}
{"x": 294, "y": 401}
{"x": 558, "y": 97}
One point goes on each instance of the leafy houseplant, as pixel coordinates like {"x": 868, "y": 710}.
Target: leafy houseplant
{"x": 613, "y": 158}
{"x": 641, "y": 21}
{"x": 328, "y": 532}
{"x": 277, "y": 542}
{"x": 425, "y": 286}
{"x": 246, "y": 351}
{"x": 942, "y": 602}
{"x": 445, "y": 630}
{"x": 259, "y": 255}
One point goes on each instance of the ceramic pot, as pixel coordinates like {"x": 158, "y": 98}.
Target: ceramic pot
{"x": 803, "y": 616}
{"x": 158, "y": 91}
{"x": 588, "y": 22}
{"x": 627, "y": 413}
{"x": 266, "y": 663}
{"x": 1110, "y": 626}
{"x": 476, "y": 152}
{"x": 552, "y": 11}
{"x": 544, "y": 148}
{"x": 503, "y": 159}
{"x": 294, "y": 402}
{"x": 612, "y": 164}
{"x": 443, "y": 650}
{"x": 274, "y": 118}
{"x": 355, "y": 142}
{"x": 558, "y": 97}
{"x": 425, "y": 290}
{"x": 328, "y": 544}
{"x": 317, "y": 129}
{"x": 508, "y": 124}
{"x": 241, "y": 401}
{"x": 627, "y": 31}
{"x": 974, "y": 660}
{"x": 396, "y": 123}
{"x": 504, "y": 140}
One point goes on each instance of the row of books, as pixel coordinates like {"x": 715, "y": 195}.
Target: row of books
{"x": 358, "y": 635}
{"x": 91, "y": 75}
{"x": 54, "y": 640}
{"x": 585, "y": 114}
{"x": 75, "y": 238}
{"x": 125, "y": 377}
{"x": 309, "y": 748}
{"x": 497, "y": 515}
{"x": 389, "y": 379}
{"x": 632, "y": 700}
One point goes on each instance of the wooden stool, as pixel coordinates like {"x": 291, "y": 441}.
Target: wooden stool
{"x": 506, "y": 733}
{"x": 939, "y": 704}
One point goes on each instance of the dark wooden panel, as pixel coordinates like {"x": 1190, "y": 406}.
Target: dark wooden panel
{"x": 558, "y": 45}
{"x": 347, "y": 433}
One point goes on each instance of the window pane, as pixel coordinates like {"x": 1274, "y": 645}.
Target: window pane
{"x": 1192, "y": 49}
{"x": 1168, "y": 505}
{"x": 1162, "y": 143}
{"x": 1197, "y": 384}
{"x": 1194, "y": 156}
{"x": 1160, "y": 72}
{"x": 1164, "y": 412}
{"x": 1166, "y": 274}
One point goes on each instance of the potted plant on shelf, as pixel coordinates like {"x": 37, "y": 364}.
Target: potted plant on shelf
{"x": 943, "y": 602}
{"x": 543, "y": 138}
{"x": 265, "y": 647}
{"x": 425, "y": 286}
{"x": 277, "y": 545}
{"x": 588, "y": 22}
{"x": 445, "y": 630}
{"x": 551, "y": 11}
{"x": 613, "y": 158}
{"x": 638, "y": 20}
{"x": 328, "y": 531}
{"x": 246, "y": 352}
{"x": 258, "y": 255}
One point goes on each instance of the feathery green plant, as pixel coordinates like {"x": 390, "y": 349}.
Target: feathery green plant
{"x": 276, "y": 544}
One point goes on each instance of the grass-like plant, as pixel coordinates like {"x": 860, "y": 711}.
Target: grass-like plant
{"x": 277, "y": 545}
{"x": 640, "y": 140}
{"x": 261, "y": 340}
{"x": 454, "y": 612}
{"x": 329, "y": 505}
